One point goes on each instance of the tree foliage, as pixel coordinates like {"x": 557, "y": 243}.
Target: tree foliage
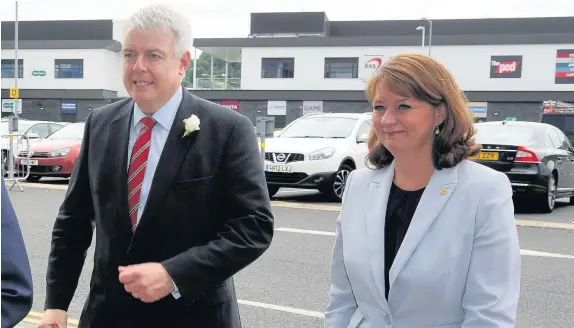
{"x": 204, "y": 69}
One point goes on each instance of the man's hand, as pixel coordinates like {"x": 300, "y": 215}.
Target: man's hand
{"x": 147, "y": 282}
{"x": 54, "y": 319}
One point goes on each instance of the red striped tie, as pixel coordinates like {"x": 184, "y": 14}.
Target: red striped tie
{"x": 138, "y": 163}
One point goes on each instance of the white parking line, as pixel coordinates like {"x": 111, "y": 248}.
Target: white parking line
{"x": 524, "y": 252}
{"x": 282, "y": 308}
{"x": 311, "y": 232}
{"x": 544, "y": 254}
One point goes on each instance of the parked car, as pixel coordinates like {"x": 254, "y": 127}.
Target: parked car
{"x": 54, "y": 156}
{"x": 317, "y": 151}
{"x": 33, "y": 130}
{"x": 562, "y": 119}
{"x": 538, "y": 159}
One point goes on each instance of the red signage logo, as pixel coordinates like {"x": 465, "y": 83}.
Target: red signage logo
{"x": 231, "y": 104}
{"x": 505, "y": 67}
{"x": 374, "y": 63}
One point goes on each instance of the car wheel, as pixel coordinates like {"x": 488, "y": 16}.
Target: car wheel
{"x": 33, "y": 178}
{"x": 4, "y": 162}
{"x": 546, "y": 204}
{"x": 272, "y": 190}
{"x": 337, "y": 188}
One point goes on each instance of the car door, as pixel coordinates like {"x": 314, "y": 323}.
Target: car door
{"x": 567, "y": 160}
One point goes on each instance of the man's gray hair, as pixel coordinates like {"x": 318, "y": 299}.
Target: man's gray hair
{"x": 157, "y": 17}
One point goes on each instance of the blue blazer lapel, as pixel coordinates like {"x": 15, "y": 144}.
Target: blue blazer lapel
{"x": 378, "y": 194}
{"x": 435, "y": 196}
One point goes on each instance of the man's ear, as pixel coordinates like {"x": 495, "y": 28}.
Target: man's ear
{"x": 185, "y": 62}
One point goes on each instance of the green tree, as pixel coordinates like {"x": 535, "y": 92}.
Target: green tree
{"x": 204, "y": 69}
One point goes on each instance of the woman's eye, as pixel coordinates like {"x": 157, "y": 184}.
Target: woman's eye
{"x": 378, "y": 108}
{"x": 404, "y": 107}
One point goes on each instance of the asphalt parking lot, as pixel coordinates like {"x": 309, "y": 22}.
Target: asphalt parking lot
{"x": 287, "y": 287}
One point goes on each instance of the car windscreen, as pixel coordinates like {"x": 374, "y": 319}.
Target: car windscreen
{"x": 516, "y": 135}
{"x": 320, "y": 127}
{"x": 73, "y": 131}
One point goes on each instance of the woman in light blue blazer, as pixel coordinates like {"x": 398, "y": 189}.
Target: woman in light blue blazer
{"x": 425, "y": 238}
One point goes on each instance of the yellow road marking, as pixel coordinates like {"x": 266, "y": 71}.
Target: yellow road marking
{"x": 44, "y": 186}
{"x": 40, "y": 315}
{"x": 337, "y": 208}
{"x": 319, "y": 207}
{"x": 30, "y": 320}
{"x": 544, "y": 224}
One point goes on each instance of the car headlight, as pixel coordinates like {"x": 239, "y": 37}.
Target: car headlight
{"x": 59, "y": 152}
{"x": 322, "y": 154}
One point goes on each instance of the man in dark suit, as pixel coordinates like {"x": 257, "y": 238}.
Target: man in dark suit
{"x": 176, "y": 191}
{"x": 16, "y": 276}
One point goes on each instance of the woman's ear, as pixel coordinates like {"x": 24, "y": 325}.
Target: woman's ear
{"x": 440, "y": 115}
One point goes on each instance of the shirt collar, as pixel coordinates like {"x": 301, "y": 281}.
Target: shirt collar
{"x": 165, "y": 115}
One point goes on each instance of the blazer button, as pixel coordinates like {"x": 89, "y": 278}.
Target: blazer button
{"x": 387, "y": 321}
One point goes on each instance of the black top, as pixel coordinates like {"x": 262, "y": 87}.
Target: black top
{"x": 401, "y": 208}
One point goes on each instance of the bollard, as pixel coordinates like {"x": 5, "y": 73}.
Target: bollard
{"x": 265, "y": 126}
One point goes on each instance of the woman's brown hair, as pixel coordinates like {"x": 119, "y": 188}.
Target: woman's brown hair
{"x": 423, "y": 78}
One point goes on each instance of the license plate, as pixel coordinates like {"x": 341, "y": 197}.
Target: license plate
{"x": 279, "y": 168}
{"x": 486, "y": 156}
{"x": 31, "y": 162}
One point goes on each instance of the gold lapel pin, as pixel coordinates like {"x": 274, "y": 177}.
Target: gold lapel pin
{"x": 443, "y": 191}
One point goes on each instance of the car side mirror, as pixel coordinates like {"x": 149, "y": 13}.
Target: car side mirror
{"x": 363, "y": 138}
{"x": 32, "y": 135}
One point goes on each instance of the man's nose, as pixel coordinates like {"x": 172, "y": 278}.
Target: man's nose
{"x": 140, "y": 64}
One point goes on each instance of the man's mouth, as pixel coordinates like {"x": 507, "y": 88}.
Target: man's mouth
{"x": 142, "y": 83}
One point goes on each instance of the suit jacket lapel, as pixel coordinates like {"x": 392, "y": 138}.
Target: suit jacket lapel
{"x": 435, "y": 196}
{"x": 116, "y": 160}
{"x": 171, "y": 157}
{"x": 378, "y": 194}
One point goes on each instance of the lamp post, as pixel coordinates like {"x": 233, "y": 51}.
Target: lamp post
{"x": 430, "y": 33}
{"x": 422, "y": 29}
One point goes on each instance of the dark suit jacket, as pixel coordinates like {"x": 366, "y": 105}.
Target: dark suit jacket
{"x": 208, "y": 216}
{"x": 16, "y": 276}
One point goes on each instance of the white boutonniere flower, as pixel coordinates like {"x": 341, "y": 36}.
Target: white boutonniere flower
{"x": 191, "y": 125}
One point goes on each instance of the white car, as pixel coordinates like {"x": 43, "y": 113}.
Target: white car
{"x": 317, "y": 151}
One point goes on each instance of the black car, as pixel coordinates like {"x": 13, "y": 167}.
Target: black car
{"x": 537, "y": 158}
{"x": 562, "y": 120}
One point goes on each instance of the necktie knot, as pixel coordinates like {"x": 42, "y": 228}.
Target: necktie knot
{"x": 148, "y": 122}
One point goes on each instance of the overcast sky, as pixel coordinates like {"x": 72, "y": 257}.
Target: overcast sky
{"x": 230, "y": 18}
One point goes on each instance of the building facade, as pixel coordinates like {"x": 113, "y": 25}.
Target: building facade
{"x": 65, "y": 68}
{"x": 294, "y": 63}
{"x": 298, "y": 63}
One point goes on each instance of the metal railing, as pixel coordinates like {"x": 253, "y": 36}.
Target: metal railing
{"x": 218, "y": 84}
{"x": 13, "y": 146}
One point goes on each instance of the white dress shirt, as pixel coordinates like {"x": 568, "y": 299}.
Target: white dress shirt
{"x": 159, "y": 134}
